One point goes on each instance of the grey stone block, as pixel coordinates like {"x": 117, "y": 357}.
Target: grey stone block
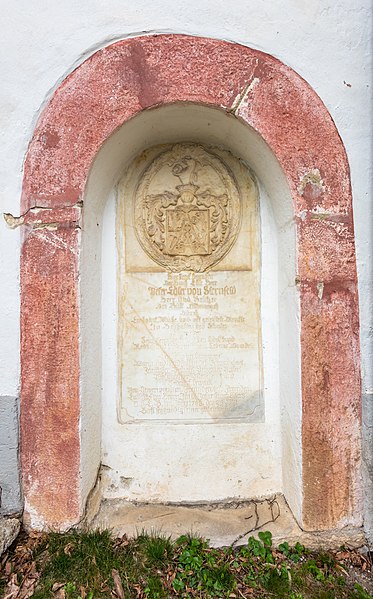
{"x": 10, "y": 488}
{"x": 9, "y": 529}
{"x": 367, "y": 430}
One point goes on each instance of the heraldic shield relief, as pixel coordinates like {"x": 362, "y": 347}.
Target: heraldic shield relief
{"x": 187, "y": 209}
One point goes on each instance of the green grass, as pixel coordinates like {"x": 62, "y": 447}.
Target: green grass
{"x": 90, "y": 565}
{"x": 81, "y": 560}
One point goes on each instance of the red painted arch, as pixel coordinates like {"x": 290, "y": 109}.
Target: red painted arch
{"x": 110, "y": 87}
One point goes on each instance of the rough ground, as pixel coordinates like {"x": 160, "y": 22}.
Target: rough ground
{"x": 86, "y": 565}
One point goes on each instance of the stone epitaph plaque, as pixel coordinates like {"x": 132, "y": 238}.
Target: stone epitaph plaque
{"x": 189, "y": 326}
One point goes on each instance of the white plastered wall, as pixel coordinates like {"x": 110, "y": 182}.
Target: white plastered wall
{"x": 254, "y": 459}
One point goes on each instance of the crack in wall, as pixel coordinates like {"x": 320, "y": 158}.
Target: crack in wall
{"x": 13, "y": 222}
{"x": 243, "y": 95}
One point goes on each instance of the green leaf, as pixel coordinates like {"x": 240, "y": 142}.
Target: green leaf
{"x": 266, "y": 537}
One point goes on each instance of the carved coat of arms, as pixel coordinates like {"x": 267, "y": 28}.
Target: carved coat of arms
{"x": 187, "y": 209}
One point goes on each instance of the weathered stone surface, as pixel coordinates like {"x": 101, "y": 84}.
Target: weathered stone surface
{"x": 331, "y": 462}
{"x": 9, "y": 529}
{"x": 113, "y": 85}
{"x": 332, "y": 241}
{"x": 221, "y": 524}
{"x": 50, "y": 380}
{"x": 10, "y": 490}
{"x": 189, "y": 290}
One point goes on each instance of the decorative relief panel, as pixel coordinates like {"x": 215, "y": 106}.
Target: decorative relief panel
{"x": 189, "y": 306}
{"x": 187, "y": 209}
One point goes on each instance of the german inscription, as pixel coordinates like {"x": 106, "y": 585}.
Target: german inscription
{"x": 189, "y": 332}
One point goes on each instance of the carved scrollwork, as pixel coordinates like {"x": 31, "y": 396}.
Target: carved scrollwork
{"x": 187, "y": 209}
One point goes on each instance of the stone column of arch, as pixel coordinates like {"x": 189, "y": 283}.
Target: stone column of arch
{"x": 109, "y": 88}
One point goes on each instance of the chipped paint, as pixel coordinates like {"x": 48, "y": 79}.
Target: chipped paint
{"x": 242, "y": 98}
{"x": 13, "y": 221}
{"x": 313, "y": 178}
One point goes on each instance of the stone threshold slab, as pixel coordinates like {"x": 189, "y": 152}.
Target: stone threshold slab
{"x": 221, "y": 523}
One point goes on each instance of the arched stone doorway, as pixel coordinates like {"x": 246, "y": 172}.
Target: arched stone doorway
{"x": 60, "y": 424}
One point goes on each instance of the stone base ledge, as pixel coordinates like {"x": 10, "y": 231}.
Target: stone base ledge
{"x": 223, "y": 524}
